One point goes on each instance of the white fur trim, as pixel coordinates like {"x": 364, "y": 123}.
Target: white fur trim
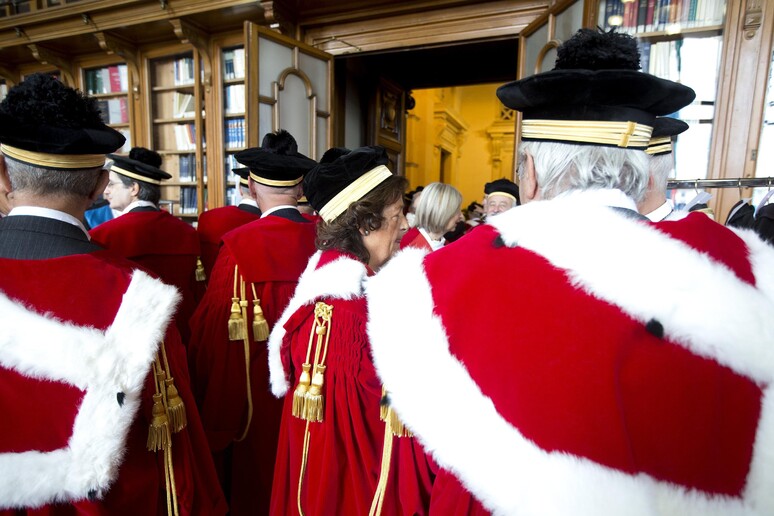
{"x": 341, "y": 278}
{"x": 100, "y": 363}
{"x": 624, "y": 262}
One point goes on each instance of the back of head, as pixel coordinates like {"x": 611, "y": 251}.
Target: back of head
{"x": 593, "y": 113}
{"x": 53, "y": 138}
{"x": 437, "y": 205}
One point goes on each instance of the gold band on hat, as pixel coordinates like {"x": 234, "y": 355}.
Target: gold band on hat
{"x": 243, "y": 181}
{"x": 132, "y": 175}
{"x": 354, "y": 192}
{"x": 504, "y": 194}
{"x": 274, "y": 182}
{"x": 619, "y": 134}
{"x": 660, "y": 145}
{"x": 45, "y": 159}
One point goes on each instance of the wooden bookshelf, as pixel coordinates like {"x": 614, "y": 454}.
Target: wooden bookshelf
{"x": 177, "y": 128}
{"x": 109, "y": 85}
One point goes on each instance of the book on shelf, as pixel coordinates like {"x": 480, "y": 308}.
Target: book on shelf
{"x": 187, "y": 167}
{"x": 184, "y": 71}
{"x": 234, "y": 133}
{"x": 234, "y": 98}
{"x": 234, "y": 63}
{"x": 114, "y": 111}
{"x": 642, "y": 16}
{"x": 110, "y": 79}
{"x": 185, "y": 136}
{"x": 183, "y": 105}
{"x": 188, "y": 201}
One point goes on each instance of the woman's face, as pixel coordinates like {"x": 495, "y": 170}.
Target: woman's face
{"x": 385, "y": 241}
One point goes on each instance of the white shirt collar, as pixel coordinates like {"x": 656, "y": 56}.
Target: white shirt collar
{"x": 248, "y": 201}
{"x": 281, "y": 207}
{"x": 434, "y": 244}
{"x": 37, "y": 211}
{"x": 600, "y": 197}
{"x": 137, "y": 204}
{"x": 661, "y": 212}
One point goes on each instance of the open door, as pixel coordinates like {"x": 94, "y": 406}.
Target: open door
{"x": 289, "y": 86}
{"x": 388, "y": 123}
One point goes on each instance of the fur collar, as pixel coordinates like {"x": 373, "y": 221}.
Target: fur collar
{"x": 101, "y": 364}
{"x": 340, "y": 278}
{"x": 506, "y": 471}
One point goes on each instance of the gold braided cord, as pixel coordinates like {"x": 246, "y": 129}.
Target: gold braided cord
{"x": 620, "y": 134}
{"x": 384, "y": 471}
{"x": 302, "y": 473}
{"x": 44, "y": 159}
{"x": 134, "y": 175}
{"x": 659, "y": 145}
{"x": 275, "y": 182}
{"x": 246, "y": 341}
{"x": 354, "y": 192}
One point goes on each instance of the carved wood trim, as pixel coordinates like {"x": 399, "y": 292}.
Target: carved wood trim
{"x": 12, "y": 76}
{"x": 753, "y": 15}
{"x": 112, "y": 44}
{"x": 188, "y": 33}
{"x": 63, "y": 63}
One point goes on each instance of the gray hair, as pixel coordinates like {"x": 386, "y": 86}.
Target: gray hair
{"x": 437, "y": 205}
{"x": 147, "y": 192}
{"x": 661, "y": 167}
{"x": 43, "y": 181}
{"x": 563, "y": 167}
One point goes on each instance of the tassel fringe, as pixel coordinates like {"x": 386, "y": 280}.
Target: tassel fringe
{"x": 175, "y": 407}
{"x": 200, "y": 275}
{"x": 236, "y": 323}
{"x": 260, "y": 325}
{"x": 308, "y": 399}
{"x": 299, "y": 395}
{"x": 159, "y": 436}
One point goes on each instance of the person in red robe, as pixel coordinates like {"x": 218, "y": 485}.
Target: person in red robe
{"x": 97, "y": 407}
{"x": 437, "y": 213}
{"x": 619, "y": 366}
{"x": 160, "y": 242}
{"x": 253, "y": 278}
{"x": 215, "y": 223}
{"x": 341, "y": 450}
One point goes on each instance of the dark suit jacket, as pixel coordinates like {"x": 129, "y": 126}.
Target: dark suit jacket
{"x": 28, "y": 237}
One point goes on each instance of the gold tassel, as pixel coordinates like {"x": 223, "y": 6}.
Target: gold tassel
{"x": 314, "y": 402}
{"x": 260, "y": 325}
{"x": 236, "y": 324}
{"x": 200, "y": 275}
{"x": 299, "y": 395}
{"x": 397, "y": 426}
{"x": 158, "y": 434}
{"x": 175, "y": 407}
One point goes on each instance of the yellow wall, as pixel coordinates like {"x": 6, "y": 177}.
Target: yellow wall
{"x": 466, "y": 123}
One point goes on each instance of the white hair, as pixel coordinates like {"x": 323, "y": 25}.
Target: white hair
{"x": 562, "y": 167}
{"x": 661, "y": 167}
{"x": 437, "y": 205}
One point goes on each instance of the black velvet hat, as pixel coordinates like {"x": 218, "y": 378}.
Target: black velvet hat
{"x": 141, "y": 165}
{"x": 664, "y": 128}
{"x": 332, "y": 186}
{"x": 277, "y": 161}
{"x": 244, "y": 175}
{"x": 50, "y": 125}
{"x": 503, "y": 186}
{"x": 594, "y": 95}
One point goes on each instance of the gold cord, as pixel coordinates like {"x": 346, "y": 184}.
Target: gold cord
{"x": 246, "y": 341}
{"x": 304, "y": 457}
{"x": 384, "y": 471}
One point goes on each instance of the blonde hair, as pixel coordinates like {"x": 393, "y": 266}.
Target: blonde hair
{"x": 437, "y": 205}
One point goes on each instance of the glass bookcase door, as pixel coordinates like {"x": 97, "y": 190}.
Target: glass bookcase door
{"x": 177, "y": 130}
{"x": 233, "y": 73}
{"x": 109, "y": 85}
{"x": 764, "y": 160}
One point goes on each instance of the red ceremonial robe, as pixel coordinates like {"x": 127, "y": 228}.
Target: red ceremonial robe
{"x": 78, "y": 331}
{"x": 271, "y": 253}
{"x": 215, "y": 223}
{"x": 413, "y": 238}
{"x": 164, "y": 245}
{"x": 344, "y": 450}
{"x": 625, "y": 367}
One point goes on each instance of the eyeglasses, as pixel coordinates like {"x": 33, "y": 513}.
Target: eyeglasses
{"x": 111, "y": 184}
